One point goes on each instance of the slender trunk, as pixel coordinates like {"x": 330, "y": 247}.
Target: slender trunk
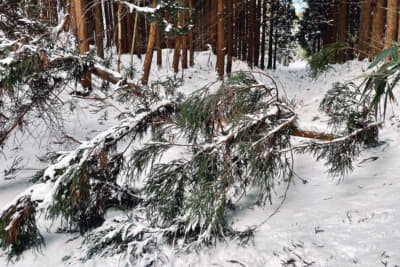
{"x": 99, "y": 29}
{"x": 378, "y": 28}
{"x": 119, "y": 17}
{"x": 184, "y": 42}
{"x": 264, "y": 34}
{"x": 178, "y": 43}
{"x": 257, "y": 34}
{"x": 221, "y": 40}
{"x": 82, "y": 26}
{"x": 342, "y": 28}
{"x": 351, "y": 23}
{"x": 236, "y": 29}
{"x": 271, "y": 33}
{"x": 242, "y": 32}
{"x": 150, "y": 49}
{"x": 158, "y": 47}
{"x": 391, "y": 23}
{"x": 134, "y": 34}
{"x": 275, "y": 46}
{"x": 365, "y": 28}
{"x": 213, "y": 24}
{"x": 229, "y": 36}
{"x": 68, "y": 15}
{"x": 82, "y": 37}
{"x": 250, "y": 52}
{"x": 129, "y": 31}
{"x": 191, "y": 44}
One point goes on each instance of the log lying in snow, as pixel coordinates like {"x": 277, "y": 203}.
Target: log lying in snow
{"x": 311, "y": 134}
{"x": 100, "y": 71}
{"x": 114, "y": 77}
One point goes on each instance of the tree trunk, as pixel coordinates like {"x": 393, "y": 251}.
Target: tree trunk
{"x": 221, "y": 40}
{"x": 391, "y": 23}
{"x": 213, "y": 24}
{"x": 119, "y": 17}
{"x": 257, "y": 34}
{"x": 82, "y": 37}
{"x": 158, "y": 47}
{"x": 184, "y": 41}
{"x": 365, "y": 29}
{"x": 342, "y": 23}
{"x": 236, "y": 30}
{"x": 275, "y": 46}
{"x": 229, "y": 36}
{"x": 252, "y": 18}
{"x": 134, "y": 34}
{"x": 271, "y": 33}
{"x": 177, "y": 51}
{"x": 82, "y": 26}
{"x": 378, "y": 28}
{"x": 99, "y": 29}
{"x": 264, "y": 34}
{"x": 191, "y": 45}
{"x": 150, "y": 49}
{"x": 73, "y": 19}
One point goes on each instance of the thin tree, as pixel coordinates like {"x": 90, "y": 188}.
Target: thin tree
{"x": 271, "y": 34}
{"x": 264, "y": 34}
{"x": 119, "y": 17}
{"x": 190, "y": 36}
{"x": 221, "y": 39}
{"x": 82, "y": 32}
{"x": 391, "y": 23}
{"x": 252, "y": 18}
{"x": 341, "y": 28}
{"x": 185, "y": 40}
{"x": 178, "y": 43}
{"x": 229, "y": 36}
{"x": 99, "y": 29}
{"x": 378, "y": 28}
{"x": 257, "y": 25}
{"x": 150, "y": 49}
{"x": 134, "y": 34}
{"x": 158, "y": 47}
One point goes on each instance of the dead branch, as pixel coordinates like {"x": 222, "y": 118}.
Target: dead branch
{"x": 311, "y": 134}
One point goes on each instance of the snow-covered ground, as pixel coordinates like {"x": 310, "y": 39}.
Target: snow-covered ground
{"x": 324, "y": 222}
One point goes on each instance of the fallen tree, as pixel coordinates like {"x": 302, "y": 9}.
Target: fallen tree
{"x": 233, "y": 138}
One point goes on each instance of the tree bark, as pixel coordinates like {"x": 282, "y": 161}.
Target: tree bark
{"x": 177, "y": 52}
{"x": 342, "y": 23}
{"x": 158, "y": 47}
{"x": 229, "y": 36}
{"x": 99, "y": 29}
{"x": 257, "y": 23}
{"x": 134, "y": 34}
{"x": 365, "y": 29}
{"x": 82, "y": 26}
{"x": 221, "y": 40}
{"x": 391, "y": 23}
{"x": 119, "y": 17}
{"x": 184, "y": 41}
{"x": 264, "y": 34}
{"x": 271, "y": 33}
{"x": 191, "y": 44}
{"x": 82, "y": 31}
{"x": 378, "y": 28}
{"x": 150, "y": 49}
{"x": 213, "y": 24}
{"x": 252, "y": 18}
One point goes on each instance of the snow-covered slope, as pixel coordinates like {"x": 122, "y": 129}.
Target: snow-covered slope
{"x": 324, "y": 222}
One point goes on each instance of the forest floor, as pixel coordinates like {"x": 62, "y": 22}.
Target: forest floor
{"x": 323, "y": 222}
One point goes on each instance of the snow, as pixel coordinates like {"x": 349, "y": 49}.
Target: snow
{"x": 324, "y": 222}
{"x": 133, "y": 7}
